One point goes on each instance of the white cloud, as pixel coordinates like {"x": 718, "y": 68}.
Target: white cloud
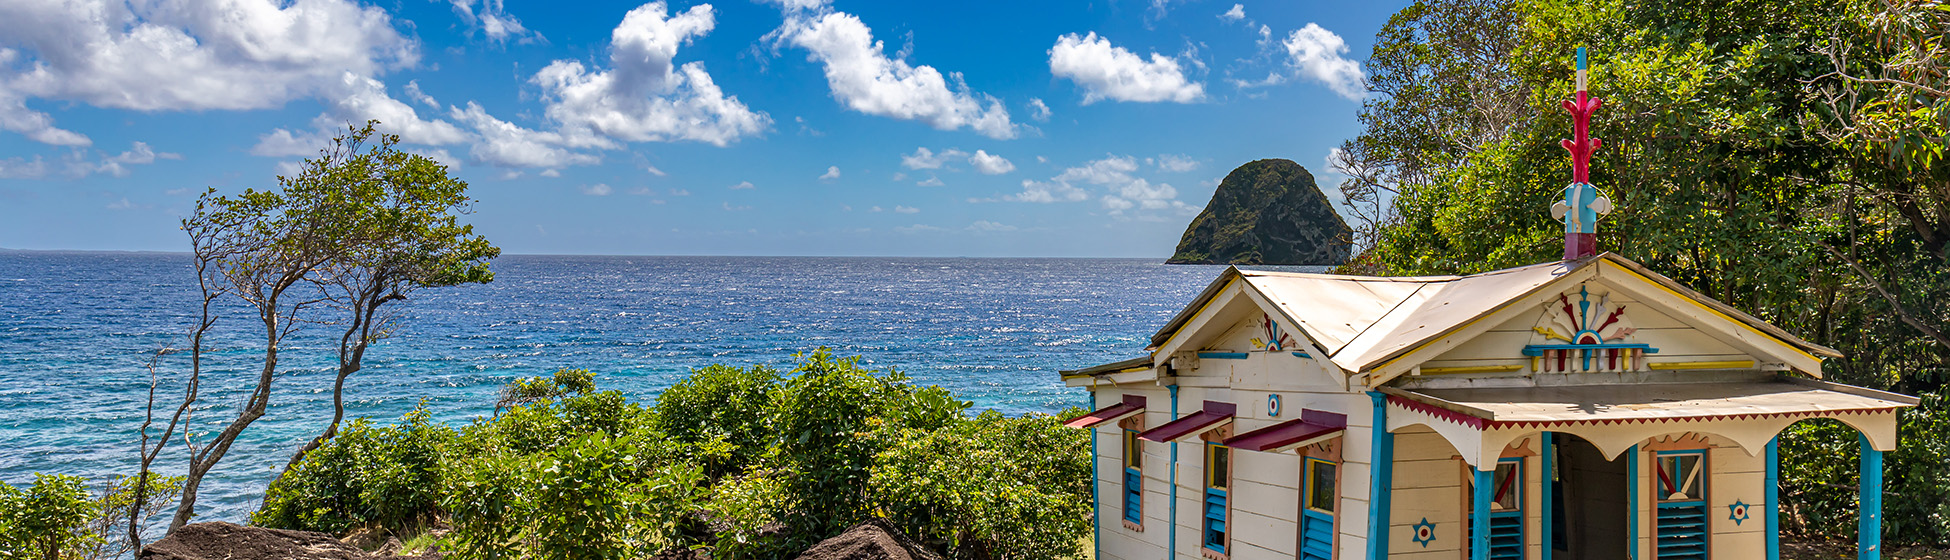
{"x": 801, "y": 4}
{"x": 1108, "y": 72}
{"x": 413, "y": 92}
{"x": 988, "y": 226}
{"x": 832, "y": 172}
{"x": 1122, "y": 190}
{"x": 898, "y": 177}
{"x": 652, "y": 169}
{"x": 931, "y": 182}
{"x": 550, "y": 173}
{"x": 139, "y": 154}
{"x": 916, "y": 228}
{"x": 1038, "y": 110}
{"x": 17, "y": 168}
{"x": 743, "y": 185}
{"x": 729, "y": 208}
{"x": 924, "y": 158}
{"x": 680, "y": 192}
{"x": 509, "y": 145}
{"x": 1238, "y": 12}
{"x": 990, "y": 164}
{"x": 874, "y": 209}
{"x": 490, "y": 19}
{"x": 597, "y": 189}
{"x": 862, "y": 77}
{"x": 1316, "y": 54}
{"x": 1176, "y": 163}
{"x": 35, "y": 125}
{"x": 643, "y": 97}
{"x": 359, "y": 98}
{"x": 906, "y": 209}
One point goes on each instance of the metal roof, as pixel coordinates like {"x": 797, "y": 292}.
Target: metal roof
{"x": 1654, "y": 401}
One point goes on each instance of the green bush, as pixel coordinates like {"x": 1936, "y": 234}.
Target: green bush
{"x": 989, "y": 488}
{"x": 49, "y": 520}
{"x": 723, "y": 410}
{"x": 564, "y": 383}
{"x": 384, "y": 477}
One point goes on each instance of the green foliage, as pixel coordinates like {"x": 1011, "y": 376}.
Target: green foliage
{"x": 991, "y": 487}
{"x": 367, "y": 476}
{"x": 565, "y": 382}
{"x": 593, "y": 497}
{"x": 722, "y": 410}
{"x": 49, "y": 520}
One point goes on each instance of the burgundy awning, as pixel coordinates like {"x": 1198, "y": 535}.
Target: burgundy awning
{"x": 1214, "y": 414}
{"x": 1314, "y": 426}
{"x": 1133, "y": 404}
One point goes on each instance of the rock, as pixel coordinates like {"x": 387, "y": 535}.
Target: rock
{"x": 1266, "y": 212}
{"x": 227, "y": 541}
{"x": 873, "y": 540}
{"x": 364, "y": 538}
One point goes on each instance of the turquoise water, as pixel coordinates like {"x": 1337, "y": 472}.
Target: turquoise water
{"x": 78, "y": 329}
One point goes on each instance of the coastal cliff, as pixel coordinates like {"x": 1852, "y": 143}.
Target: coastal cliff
{"x": 1266, "y": 212}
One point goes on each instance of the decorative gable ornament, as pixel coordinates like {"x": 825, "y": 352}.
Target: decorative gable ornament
{"x": 1581, "y": 335}
{"x": 1276, "y": 339}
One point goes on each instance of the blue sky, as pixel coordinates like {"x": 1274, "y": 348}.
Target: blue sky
{"x": 736, "y": 127}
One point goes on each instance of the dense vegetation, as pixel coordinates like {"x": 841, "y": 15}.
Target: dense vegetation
{"x": 1786, "y": 157}
{"x": 747, "y": 462}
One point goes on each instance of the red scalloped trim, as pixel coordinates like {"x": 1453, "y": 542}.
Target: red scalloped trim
{"x": 1486, "y": 424}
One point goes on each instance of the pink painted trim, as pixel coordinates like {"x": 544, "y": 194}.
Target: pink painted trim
{"x": 1487, "y": 424}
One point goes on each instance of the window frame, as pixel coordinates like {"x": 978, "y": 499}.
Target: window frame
{"x": 1223, "y": 547}
{"x": 1133, "y": 461}
{"x": 1309, "y": 482}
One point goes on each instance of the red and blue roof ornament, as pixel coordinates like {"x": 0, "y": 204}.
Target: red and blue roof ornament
{"x": 1582, "y": 203}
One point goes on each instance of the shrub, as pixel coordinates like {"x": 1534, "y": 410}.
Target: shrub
{"x": 384, "y": 477}
{"x": 592, "y": 497}
{"x": 989, "y": 488}
{"x": 48, "y": 520}
{"x": 564, "y": 383}
{"x": 722, "y": 410}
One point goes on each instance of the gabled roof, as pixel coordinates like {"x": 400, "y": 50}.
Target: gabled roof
{"x": 1365, "y": 321}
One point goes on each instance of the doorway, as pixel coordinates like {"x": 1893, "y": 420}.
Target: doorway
{"x": 1588, "y": 501}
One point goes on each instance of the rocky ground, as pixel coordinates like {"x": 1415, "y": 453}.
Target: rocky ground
{"x": 227, "y": 541}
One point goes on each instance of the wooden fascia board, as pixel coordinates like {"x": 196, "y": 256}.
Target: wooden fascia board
{"x": 1853, "y": 390}
{"x": 1405, "y": 361}
{"x": 1719, "y": 307}
{"x": 1145, "y": 375}
{"x": 1706, "y": 319}
{"x": 1314, "y": 349}
{"x": 1197, "y": 320}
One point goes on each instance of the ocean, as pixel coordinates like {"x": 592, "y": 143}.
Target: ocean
{"x": 80, "y": 330}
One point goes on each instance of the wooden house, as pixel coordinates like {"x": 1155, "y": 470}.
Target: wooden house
{"x": 1582, "y": 409}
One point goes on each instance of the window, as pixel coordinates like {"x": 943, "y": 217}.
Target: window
{"x": 1133, "y": 480}
{"x": 1680, "y": 478}
{"x": 1508, "y": 495}
{"x": 1317, "y": 520}
{"x": 1679, "y": 490}
{"x": 1218, "y": 478}
{"x": 1320, "y": 485}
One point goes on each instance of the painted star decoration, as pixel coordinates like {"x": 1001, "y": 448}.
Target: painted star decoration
{"x": 1736, "y": 511}
{"x": 1425, "y": 532}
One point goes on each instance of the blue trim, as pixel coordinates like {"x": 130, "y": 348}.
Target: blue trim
{"x": 1301, "y": 355}
{"x": 1868, "y": 545}
{"x": 1545, "y": 453}
{"x": 1772, "y": 488}
{"x": 1171, "y": 531}
{"x": 1381, "y": 484}
{"x": 1216, "y": 535}
{"x": 1538, "y": 349}
{"x": 1632, "y": 501}
{"x": 1134, "y": 495}
{"x": 1222, "y": 355}
{"x": 1700, "y": 452}
{"x": 1096, "y": 505}
{"x": 1479, "y": 515}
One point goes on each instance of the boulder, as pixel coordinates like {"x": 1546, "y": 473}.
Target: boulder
{"x": 218, "y": 540}
{"x": 1266, "y": 212}
{"x": 873, "y": 540}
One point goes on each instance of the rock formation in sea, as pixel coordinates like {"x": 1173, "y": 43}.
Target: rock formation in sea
{"x": 1266, "y": 212}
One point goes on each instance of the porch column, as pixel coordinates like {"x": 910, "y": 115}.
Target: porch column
{"x": 1545, "y": 454}
{"x": 1772, "y": 488}
{"x": 1479, "y": 514}
{"x": 1382, "y": 480}
{"x": 1868, "y": 545}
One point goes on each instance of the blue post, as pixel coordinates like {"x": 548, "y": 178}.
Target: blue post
{"x": 1546, "y": 453}
{"x": 1382, "y": 483}
{"x": 1868, "y": 537}
{"x": 1479, "y": 515}
{"x": 1772, "y": 487}
{"x": 1096, "y": 505}
{"x": 1632, "y": 502}
{"x": 1171, "y": 527}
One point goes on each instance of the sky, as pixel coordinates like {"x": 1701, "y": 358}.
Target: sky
{"x": 734, "y": 127}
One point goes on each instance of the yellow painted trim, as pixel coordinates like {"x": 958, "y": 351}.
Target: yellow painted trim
{"x": 1472, "y": 369}
{"x": 1736, "y": 364}
{"x": 1472, "y": 322}
{"x": 1717, "y": 313}
{"x": 1201, "y": 311}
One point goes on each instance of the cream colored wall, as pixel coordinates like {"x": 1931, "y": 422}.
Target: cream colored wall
{"x": 1427, "y": 484}
{"x": 1503, "y": 344}
{"x": 1118, "y": 541}
{"x": 1264, "y": 370}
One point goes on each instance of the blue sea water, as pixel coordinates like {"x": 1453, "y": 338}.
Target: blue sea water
{"x": 77, "y": 332}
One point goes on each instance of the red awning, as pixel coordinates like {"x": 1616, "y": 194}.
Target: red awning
{"x": 1214, "y": 414}
{"x": 1314, "y": 426}
{"x": 1132, "y": 404}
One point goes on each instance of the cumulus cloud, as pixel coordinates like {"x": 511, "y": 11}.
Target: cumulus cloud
{"x": 906, "y": 209}
{"x": 1114, "y": 175}
{"x": 862, "y": 76}
{"x": 924, "y": 158}
{"x": 1176, "y": 163}
{"x": 139, "y": 154}
{"x": 832, "y": 172}
{"x": 413, "y": 92}
{"x": 990, "y": 164}
{"x": 1038, "y": 110}
{"x": 1109, "y": 72}
{"x": 644, "y": 97}
{"x": 506, "y": 144}
{"x": 597, "y": 189}
{"x": 988, "y": 226}
{"x": 1317, "y": 54}
{"x": 931, "y": 182}
{"x": 487, "y": 17}
{"x": 1238, "y": 12}
{"x": 177, "y": 55}
{"x": 743, "y": 185}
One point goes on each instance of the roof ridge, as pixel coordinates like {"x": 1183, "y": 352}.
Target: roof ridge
{"x": 1378, "y": 319}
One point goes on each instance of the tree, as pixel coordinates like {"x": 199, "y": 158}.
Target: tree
{"x": 362, "y": 225}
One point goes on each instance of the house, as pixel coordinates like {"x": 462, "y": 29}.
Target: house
{"x": 1585, "y": 409}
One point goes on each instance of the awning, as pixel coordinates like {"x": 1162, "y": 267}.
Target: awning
{"x": 1133, "y": 404}
{"x": 1312, "y": 427}
{"x": 1215, "y": 414}
{"x": 1650, "y": 402}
